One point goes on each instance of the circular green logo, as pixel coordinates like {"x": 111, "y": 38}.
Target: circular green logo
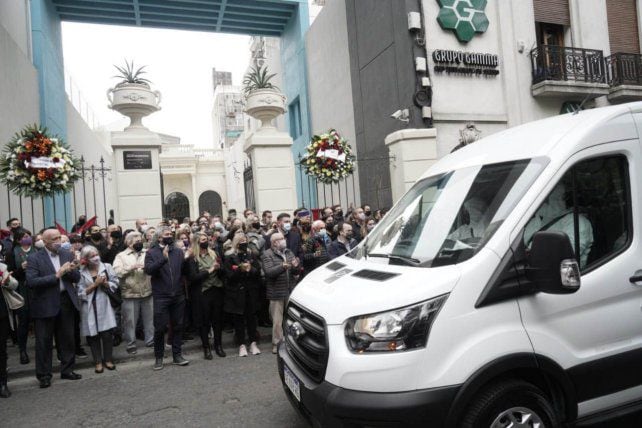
{"x": 464, "y": 17}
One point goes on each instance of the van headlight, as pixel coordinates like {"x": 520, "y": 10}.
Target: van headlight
{"x": 397, "y": 330}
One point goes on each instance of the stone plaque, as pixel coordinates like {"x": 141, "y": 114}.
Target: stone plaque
{"x": 139, "y": 159}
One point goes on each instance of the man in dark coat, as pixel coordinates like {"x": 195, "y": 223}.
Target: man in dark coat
{"x": 344, "y": 242}
{"x": 164, "y": 263}
{"x": 50, "y": 274}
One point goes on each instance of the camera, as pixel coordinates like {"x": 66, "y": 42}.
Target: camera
{"x": 401, "y": 115}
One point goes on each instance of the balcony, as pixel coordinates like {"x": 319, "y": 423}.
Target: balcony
{"x": 624, "y": 77}
{"x": 572, "y": 74}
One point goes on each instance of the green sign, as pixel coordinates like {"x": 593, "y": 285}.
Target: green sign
{"x": 464, "y": 17}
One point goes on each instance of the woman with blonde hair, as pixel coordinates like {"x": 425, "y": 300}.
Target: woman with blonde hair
{"x": 97, "y": 279}
{"x": 243, "y": 273}
{"x": 205, "y": 277}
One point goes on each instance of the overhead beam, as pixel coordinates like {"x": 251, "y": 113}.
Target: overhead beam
{"x": 221, "y": 13}
{"x": 136, "y": 12}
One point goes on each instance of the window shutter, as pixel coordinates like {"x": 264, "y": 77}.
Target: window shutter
{"x": 623, "y": 26}
{"x": 552, "y": 12}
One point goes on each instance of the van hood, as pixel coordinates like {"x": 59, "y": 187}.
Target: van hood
{"x": 344, "y": 287}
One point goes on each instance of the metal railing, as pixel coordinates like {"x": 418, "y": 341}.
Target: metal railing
{"x": 77, "y": 99}
{"x": 567, "y": 64}
{"x": 624, "y": 69}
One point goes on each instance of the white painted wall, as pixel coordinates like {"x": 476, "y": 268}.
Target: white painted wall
{"x": 235, "y": 159}
{"x": 19, "y": 98}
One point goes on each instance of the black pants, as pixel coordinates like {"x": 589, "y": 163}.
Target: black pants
{"x": 165, "y": 309}
{"x": 212, "y": 313}
{"x": 62, "y": 326}
{"x": 101, "y": 346}
{"x": 246, "y": 321}
{"x": 4, "y": 335}
{"x": 21, "y": 316}
{"x": 77, "y": 342}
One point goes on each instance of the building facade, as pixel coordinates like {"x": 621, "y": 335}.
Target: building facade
{"x": 227, "y": 115}
{"x": 465, "y": 68}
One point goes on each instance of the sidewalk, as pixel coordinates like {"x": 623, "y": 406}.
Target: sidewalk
{"x": 191, "y": 347}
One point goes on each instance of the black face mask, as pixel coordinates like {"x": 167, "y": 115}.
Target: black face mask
{"x": 339, "y": 214}
{"x": 243, "y": 247}
{"x": 367, "y": 213}
{"x": 306, "y": 227}
{"x": 256, "y": 225}
{"x": 116, "y": 234}
{"x": 204, "y": 245}
{"x": 138, "y": 247}
{"x": 168, "y": 240}
{"x": 96, "y": 236}
{"x": 81, "y": 221}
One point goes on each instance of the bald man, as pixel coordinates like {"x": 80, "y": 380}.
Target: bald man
{"x": 50, "y": 274}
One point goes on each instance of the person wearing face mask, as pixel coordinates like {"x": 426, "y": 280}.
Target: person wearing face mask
{"x": 136, "y": 291}
{"x": 7, "y": 242}
{"x": 6, "y": 324}
{"x": 38, "y": 243}
{"x": 97, "y": 315}
{"x": 279, "y": 265}
{"x": 95, "y": 239}
{"x": 79, "y": 224}
{"x": 243, "y": 274}
{"x": 344, "y": 242}
{"x": 292, "y": 236}
{"x": 50, "y": 276}
{"x": 205, "y": 275}
{"x": 115, "y": 244}
{"x": 338, "y": 214}
{"x": 358, "y": 222}
{"x": 164, "y": 262}
{"x": 315, "y": 248}
{"x": 17, "y": 263}
{"x": 367, "y": 211}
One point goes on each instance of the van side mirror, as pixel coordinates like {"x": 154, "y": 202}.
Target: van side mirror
{"x": 552, "y": 267}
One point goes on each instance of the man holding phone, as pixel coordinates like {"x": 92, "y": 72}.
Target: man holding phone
{"x": 50, "y": 275}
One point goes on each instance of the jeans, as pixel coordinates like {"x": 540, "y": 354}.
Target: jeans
{"x": 276, "y": 313}
{"x": 168, "y": 308}
{"x": 131, "y": 309}
{"x": 101, "y": 353}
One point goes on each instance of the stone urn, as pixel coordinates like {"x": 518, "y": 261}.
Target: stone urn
{"x": 265, "y": 105}
{"x": 134, "y": 100}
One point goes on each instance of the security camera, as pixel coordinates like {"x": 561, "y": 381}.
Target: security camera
{"x": 401, "y": 115}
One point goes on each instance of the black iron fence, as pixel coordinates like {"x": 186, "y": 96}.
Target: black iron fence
{"x": 567, "y": 64}
{"x": 89, "y": 196}
{"x": 248, "y": 185}
{"x": 624, "y": 69}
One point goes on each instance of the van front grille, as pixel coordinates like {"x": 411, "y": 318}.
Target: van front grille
{"x": 306, "y": 340}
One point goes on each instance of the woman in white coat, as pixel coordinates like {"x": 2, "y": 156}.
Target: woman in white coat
{"x": 97, "y": 315}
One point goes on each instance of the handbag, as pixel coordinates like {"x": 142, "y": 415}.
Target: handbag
{"x": 13, "y": 298}
{"x": 114, "y": 299}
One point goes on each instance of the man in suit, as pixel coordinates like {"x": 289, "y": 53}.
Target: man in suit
{"x": 50, "y": 274}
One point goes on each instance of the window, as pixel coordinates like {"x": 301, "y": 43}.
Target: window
{"x": 592, "y": 205}
{"x": 295, "y": 119}
{"x": 447, "y": 219}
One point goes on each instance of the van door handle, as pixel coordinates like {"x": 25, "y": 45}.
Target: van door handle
{"x": 636, "y": 279}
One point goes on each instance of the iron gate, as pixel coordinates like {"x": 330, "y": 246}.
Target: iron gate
{"x": 88, "y": 196}
{"x": 248, "y": 184}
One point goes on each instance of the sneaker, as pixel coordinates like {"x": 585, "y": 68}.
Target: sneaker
{"x": 168, "y": 346}
{"x": 132, "y": 350}
{"x": 80, "y": 353}
{"x": 159, "y": 364}
{"x": 254, "y": 349}
{"x": 242, "y": 351}
{"x": 180, "y": 361}
{"x": 275, "y": 349}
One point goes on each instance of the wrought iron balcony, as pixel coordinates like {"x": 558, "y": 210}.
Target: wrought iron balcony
{"x": 568, "y": 72}
{"x": 624, "y": 77}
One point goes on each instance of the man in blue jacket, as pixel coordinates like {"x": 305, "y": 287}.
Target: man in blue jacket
{"x": 50, "y": 275}
{"x": 164, "y": 263}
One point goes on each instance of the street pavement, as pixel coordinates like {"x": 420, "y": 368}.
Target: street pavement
{"x": 224, "y": 392}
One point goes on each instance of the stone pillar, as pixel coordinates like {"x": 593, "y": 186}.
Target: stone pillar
{"x": 413, "y": 152}
{"x": 274, "y": 183}
{"x": 137, "y": 177}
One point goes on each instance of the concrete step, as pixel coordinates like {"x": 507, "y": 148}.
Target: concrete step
{"x": 18, "y": 371}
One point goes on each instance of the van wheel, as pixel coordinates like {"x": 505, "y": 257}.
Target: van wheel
{"x": 511, "y": 404}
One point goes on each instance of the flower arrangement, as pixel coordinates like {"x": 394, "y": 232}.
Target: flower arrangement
{"x": 329, "y": 158}
{"x": 35, "y": 163}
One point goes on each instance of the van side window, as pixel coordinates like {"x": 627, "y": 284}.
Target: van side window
{"x": 592, "y": 205}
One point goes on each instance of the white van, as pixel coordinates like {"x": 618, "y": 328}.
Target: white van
{"x": 464, "y": 307}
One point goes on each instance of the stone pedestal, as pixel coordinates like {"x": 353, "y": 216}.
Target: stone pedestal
{"x": 414, "y": 151}
{"x": 272, "y": 170}
{"x": 137, "y": 176}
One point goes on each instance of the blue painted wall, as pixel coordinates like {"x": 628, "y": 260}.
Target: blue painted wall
{"x": 294, "y": 64}
{"x": 48, "y": 60}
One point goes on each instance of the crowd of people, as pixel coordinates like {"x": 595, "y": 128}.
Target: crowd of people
{"x": 160, "y": 284}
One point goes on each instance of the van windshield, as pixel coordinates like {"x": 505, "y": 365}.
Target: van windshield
{"x": 447, "y": 219}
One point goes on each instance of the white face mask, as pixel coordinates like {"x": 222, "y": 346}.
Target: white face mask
{"x": 323, "y": 232}
{"x": 287, "y": 226}
{"x": 39, "y": 244}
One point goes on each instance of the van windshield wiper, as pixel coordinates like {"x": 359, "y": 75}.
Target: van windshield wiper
{"x": 410, "y": 261}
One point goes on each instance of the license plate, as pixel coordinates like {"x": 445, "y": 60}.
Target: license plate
{"x": 292, "y": 382}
